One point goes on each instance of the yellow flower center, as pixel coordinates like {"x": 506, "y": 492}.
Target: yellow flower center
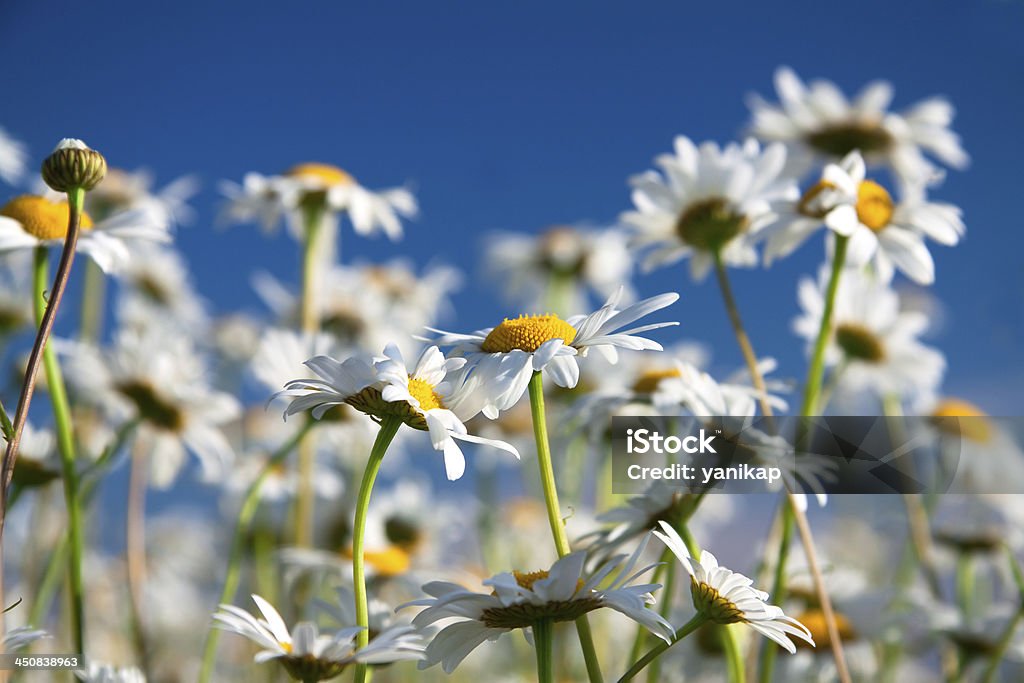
{"x": 41, "y": 218}
{"x": 874, "y": 205}
{"x": 392, "y": 561}
{"x": 425, "y": 394}
{"x": 527, "y": 579}
{"x": 962, "y": 418}
{"x": 527, "y": 333}
{"x": 710, "y": 224}
{"x": 859, "y": 343}
{"x": 324, "y": 173}
{"x": 708, "y": 600}
{"x": 814, "y": 620}
{"x": 648, "y": 381}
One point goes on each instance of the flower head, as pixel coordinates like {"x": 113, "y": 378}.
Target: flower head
{"x": 31, "y": 221}
{"x": 727, "y": 597}
{"x": 519, "y": 599}
{"x": 708, "y": 200}
{"x": 433, "y": 397}
{"x": 304, "y": 652}
{"x": 819, "y": 123}
{"x": 504, "y": 357}
{"x": 73, "y": 165}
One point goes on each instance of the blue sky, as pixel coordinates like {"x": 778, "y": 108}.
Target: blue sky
{"x": 520, "y": 118}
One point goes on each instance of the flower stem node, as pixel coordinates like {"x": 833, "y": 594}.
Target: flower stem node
{"x": 73, "y": 165}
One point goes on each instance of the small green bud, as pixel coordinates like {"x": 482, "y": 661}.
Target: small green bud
{"x": 73, "y": 165}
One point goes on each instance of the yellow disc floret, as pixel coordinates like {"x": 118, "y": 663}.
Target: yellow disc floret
{"x": 392, "y": 561}
{"x": 527, "y": 333}
{"x": 425, "y": 394}
{"x": 41, "y": 218}
{"x": 874, "y": 205}
{"x": 648, "y": 381}
{"x": 962, "y": 418}
{"x": 324, "y": 173}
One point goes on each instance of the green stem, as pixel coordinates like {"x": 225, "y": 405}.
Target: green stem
{"x": 692, "y": 625}
{"x": 547, "y": 479}
{"x": 94, "y": 294}
{"x": 388, "y": 428}
{"x": 542, "y": 641}
{"x": 816, "y": 371}
{"x": 309, "y": 322}
{"x": 66, "y": 448}
{"x": 245, "y": 514}
{"x": 654, "y": 674}
{"x": 770, "y": 650}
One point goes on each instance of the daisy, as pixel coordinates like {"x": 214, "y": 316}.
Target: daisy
{"x": 708, "y": 200}
{"x": 560, "y": 266}
{"x": 158, "y": 285}
{"x": 20, "y": 637}
{"x": 122, "y": 190}
{"x": 820, "y": 124}
{"x": 727, "y": 597}
{"x": 520, "y": 599}
{"x": 31, "y": 221}
{"x": 434, "y": 397}
{"x": 308, "y": 655}
{"x": 889, "y": 233}
{"x": 107, "y": 673}
{"x": 13, "y": 158}
{"x": 38, "y": 462}
{"x": 267, "y": 199}
{"x": 155, "y": 376}
{"x": 873, "y": 344}
{"x": 504, "y": 358}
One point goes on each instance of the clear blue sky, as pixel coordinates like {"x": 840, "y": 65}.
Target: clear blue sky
{"x": 517, "y": 118}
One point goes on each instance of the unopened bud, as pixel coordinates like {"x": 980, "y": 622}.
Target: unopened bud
{"x": 73, "y": 165}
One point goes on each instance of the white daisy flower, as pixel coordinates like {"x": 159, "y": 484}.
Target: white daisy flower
{"x": 727, "y": 597}
{"x": 13, "y": 158}
{"x": 519, "y": 599}
{"x": 108, "y": 673}
{"x": 158, "y": 285}
{"x": 21, "y": 637}
{"x": 31, "y": 221}
{"x": 268, "y": 199}
{"x": 559, "y": 267}
{"x": 432, "y": 398}
{"x": 122, "y": 190}
{"x": 820, "y": 124}
{"x": 157, "y": 377}
{"x": 889, "y": 233}
{"x": 38, "y": 462}
{"x": 503, "y": 358}
{"x": 708, "y": 199}
{"x": 305, "y": 653}
{"x": 873, "y": 343}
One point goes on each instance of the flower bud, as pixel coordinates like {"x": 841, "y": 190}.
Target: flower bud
{"x": 73, "y": 165}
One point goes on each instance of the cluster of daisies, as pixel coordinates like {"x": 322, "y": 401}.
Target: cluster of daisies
{"x": 352, "y": 355}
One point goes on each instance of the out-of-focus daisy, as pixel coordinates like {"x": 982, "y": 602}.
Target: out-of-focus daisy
{"x": 156, "y": 376}
{"x": 708, "y": 199}
{"x": 21, "y": 637}
{"x": 889, "y": 233}
{"x": 559, "y": 267}
{"x": 15, "y": 292}
{"x": 433, "y": 397}
{"x": 519, "y": 599}
{"x": 156, "y": 285}
{"x": 13, "y": 158}
{"x": 122, "y": 190}
{"x": 503, "y": 358}
{"x": 308, "y": 655}
{"x": 874, "y": 345}
{"x": 978, "y": 451}
{"x": 108, "y": 673}
{"x": 819, "y": 123}
{"x": 267, "y": 199}
{"x": 727, "y": 597}
{"x": 38, "y": 462}
{"x": 31, "y": 221}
